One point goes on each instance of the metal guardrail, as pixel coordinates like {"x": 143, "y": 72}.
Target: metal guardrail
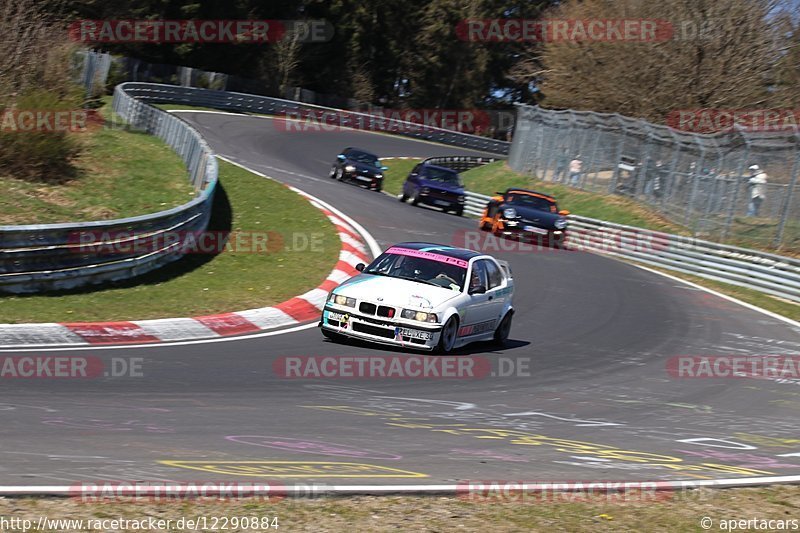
{"x": 761, "y": 271}
{"x": 44, "y": 257}
{"x": 764, "y": 272}
{"x": 166, "y": 94}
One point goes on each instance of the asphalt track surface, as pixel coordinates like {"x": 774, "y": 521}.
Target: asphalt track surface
{"x": 590, "y": 344}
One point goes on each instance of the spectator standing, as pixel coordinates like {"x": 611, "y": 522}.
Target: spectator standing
{"x": 575, "y": 168}
{"x": 562, "y": 161}
{"x": 758, "y": 190}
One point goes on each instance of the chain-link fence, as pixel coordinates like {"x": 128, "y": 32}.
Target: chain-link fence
{"x": 702, "y": 182}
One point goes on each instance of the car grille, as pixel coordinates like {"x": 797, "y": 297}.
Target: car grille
{"x": 373, "y": 330}
{"x": 443, "y": 195}
{"x": 372, "y": 309}
{"x": 387, "y": 312}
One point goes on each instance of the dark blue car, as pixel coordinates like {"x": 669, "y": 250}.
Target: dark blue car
{"x": 434, "y": 185}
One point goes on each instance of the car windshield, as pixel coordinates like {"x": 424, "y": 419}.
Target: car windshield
{"x": 443, "y": 176}
{"x": 425, "y": 267}
{"x": 526, "y": 200}
{"x": 363, "y": 157}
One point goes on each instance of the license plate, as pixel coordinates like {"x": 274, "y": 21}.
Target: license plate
{"x": 338, "y": 317}
{"x": 415, "y": 334}
{"x": 441, "y": 202}
{"x": 534, "y": 229}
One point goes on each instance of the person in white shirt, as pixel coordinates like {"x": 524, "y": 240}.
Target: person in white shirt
{"x": 758, "y": 190}
{"x": 575, "y": 167}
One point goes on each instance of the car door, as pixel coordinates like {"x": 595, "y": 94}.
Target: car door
{"x": 484, "y": 305}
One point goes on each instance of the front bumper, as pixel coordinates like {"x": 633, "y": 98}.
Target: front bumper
{"x": 364, "y": 178}
{"x": 438, "y": 201}
{"x": 385, "y": 331}
{"x": 520, "y": 229}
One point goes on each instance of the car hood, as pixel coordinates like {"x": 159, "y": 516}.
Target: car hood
{"x": 441, "y": 186}
{"x": 538, "y": 217}
{"x": 395, "y": 292}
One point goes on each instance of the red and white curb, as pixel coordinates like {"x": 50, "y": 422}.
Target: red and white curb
{"x": 357, "y": 246}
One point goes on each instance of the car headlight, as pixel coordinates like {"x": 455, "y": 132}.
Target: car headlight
{"x": 339, "y": 299}
{"x": 419, "y": 316}
{"x": 350, "y": 168}
{"x": 510, "y": 212}
{"x": 378, "y": 176}
{"x": 561, "y": 223}
{"x": 461, "y": 199}
{"x": 425, "y": 190}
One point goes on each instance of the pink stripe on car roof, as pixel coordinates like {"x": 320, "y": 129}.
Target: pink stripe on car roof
{"x": 429, "y": 255}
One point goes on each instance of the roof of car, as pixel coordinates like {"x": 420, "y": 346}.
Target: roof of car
{"x": 443, "y": 249}
{"x": 526, "y": 191}
{"x": 355, "y": 149}
{"x": 448, "y": 169}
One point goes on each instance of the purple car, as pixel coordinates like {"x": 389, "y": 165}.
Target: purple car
{"x": 436, "y": 186}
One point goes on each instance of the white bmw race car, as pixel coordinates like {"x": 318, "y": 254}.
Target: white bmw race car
{"x": 424, "y": 296}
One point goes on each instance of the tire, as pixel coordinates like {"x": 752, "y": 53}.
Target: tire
{"x": 332, "y": 336}
{"x": 449, "y": 335}
{"x": 339, "y": 174}
{"x": 403, "y": 197}
{"x": 503, "y": 329}
{"x": 483, "y": 226}
{"x": 459, "y": 212}
{"x": 415, "y": 198}
{"x": 332, "y": 175}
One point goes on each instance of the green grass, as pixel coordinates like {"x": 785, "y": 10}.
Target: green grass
{"x": 497, "y": 176}
{"x": 204, "y": 284}
{"x": 394, "y": 178}
{"x": 119, "y": 174}
{"x": 519, "y": 513}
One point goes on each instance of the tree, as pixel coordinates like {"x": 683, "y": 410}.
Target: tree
{"x": 721, "y": 54}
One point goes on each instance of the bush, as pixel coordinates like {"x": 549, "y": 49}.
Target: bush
{"x": 39, "y": 155}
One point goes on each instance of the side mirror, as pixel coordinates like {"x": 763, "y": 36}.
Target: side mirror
{"x": 563, "y": 212}
{"x": 384, "y": 168}
{"x": 360, "y": 267}
{"x": 341, "y": 157}
{"x": 477, "y": 290}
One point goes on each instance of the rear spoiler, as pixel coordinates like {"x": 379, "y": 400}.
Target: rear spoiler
{"x": 507, "y": 268}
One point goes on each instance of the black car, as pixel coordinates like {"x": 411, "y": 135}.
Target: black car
{"x": 527, "y": 215}
{"x": 434, "y": 185}
{"x": 359, "y": 166}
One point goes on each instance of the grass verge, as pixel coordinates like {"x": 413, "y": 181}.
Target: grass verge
{"x": 678, "y": 513}
{"x": 120, "y": 173}
{"x": 497, "y": 176}
{"x": 307, "y": 249}
{"x": 394, "y": 178}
